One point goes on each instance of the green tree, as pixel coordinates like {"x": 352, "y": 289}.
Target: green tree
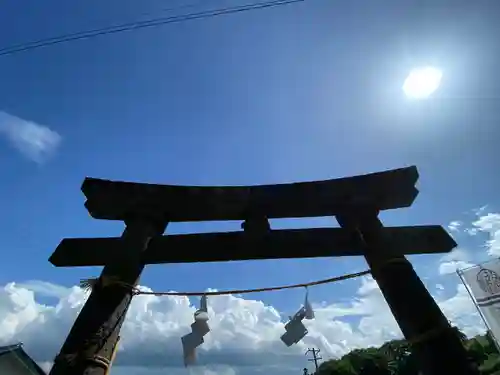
{"x": 489, "y": 343}
{"x": 476, "y": 350}
{"x": 375, "y": 363}
{"x": 396, "y": 358}
{"x": 462, "y": 336}
{"x": 336, "y": 367}
{"x": 491, "y": 365}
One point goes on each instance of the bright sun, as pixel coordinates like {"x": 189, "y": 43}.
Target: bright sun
{"x": 422, "y": 82}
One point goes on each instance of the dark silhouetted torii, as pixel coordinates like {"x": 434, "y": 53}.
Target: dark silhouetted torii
{"x": 355, "y": 202}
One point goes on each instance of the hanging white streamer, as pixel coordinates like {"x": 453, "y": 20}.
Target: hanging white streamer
{"x": 309, "y": 312}
{"x": 295, "y": 329}
{"x": 202, "y": 312}
{"x": 199, "y": 329}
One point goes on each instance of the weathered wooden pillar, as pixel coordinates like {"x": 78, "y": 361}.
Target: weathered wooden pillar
{"x": 436, "y": 345}
{"x": 89, "y": 347}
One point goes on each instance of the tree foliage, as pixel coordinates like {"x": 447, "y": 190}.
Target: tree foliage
{"x": 395, "y": 358}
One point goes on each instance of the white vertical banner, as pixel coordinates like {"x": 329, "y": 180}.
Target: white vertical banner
{"x": 484, "y": 285}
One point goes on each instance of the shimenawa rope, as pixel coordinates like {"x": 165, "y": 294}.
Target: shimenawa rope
{"x": 89, "y": 284}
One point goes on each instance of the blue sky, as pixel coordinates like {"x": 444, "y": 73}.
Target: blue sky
{"x": 300, "y": 92}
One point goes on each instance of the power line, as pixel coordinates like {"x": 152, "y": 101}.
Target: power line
{"x": 175, "y": 8}
{"x": 142, "y": 24}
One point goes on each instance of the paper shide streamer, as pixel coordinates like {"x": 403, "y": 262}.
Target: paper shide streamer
{"x": 295, "y": 329}
{"x": 199, "y": 329}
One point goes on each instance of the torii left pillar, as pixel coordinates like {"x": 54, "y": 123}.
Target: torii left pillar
{"x": 89, "y": 347}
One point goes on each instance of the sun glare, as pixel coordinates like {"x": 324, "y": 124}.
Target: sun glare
{"x": 422, "y": 82}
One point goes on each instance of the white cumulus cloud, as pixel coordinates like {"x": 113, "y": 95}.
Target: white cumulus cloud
{"x": 490, "y": 224}
{"x": 446, "y": 268}
{"x": 457, "y": 259}
{"x": 36, "y": 142}
{"x": 245, "y": 333}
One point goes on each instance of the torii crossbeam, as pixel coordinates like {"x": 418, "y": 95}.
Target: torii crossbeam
{"x": 355, "y": 202}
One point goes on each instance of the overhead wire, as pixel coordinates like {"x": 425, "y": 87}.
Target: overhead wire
{"x": 89, "y": 284}
{"x": 159, "y": 21}
{"x": 174, "y": 8}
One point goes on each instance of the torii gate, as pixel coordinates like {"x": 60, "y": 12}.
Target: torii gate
{"x": 355, "y": 202}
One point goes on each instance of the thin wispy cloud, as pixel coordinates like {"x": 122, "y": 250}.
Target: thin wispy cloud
{"x": 455, "y": 226}
{"x": 36, "y": 142}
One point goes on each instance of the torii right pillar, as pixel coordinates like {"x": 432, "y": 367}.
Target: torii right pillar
{"x": 434, "y": 342}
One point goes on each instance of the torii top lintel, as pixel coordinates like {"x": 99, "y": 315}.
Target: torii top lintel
{"x": 116, "y": 200}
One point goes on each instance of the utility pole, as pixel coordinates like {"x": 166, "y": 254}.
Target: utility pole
{"x": 315, "y": 357}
